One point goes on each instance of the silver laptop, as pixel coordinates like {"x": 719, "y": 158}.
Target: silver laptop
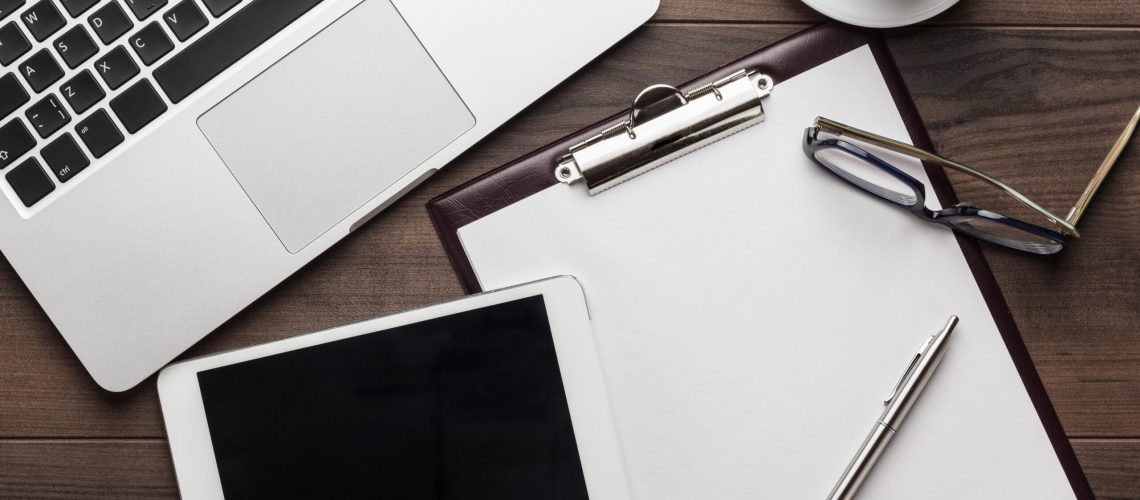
{"x": 165, "y": 163}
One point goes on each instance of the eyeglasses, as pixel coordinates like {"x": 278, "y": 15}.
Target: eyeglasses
{"x": 891, "y": 184}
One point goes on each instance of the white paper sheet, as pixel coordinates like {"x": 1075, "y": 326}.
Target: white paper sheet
{"x": 752, "y": 311}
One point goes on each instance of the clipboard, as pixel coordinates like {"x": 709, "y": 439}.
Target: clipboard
{"x": 788, "y": 58}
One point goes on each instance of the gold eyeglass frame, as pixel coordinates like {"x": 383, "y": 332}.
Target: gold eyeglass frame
{"x": 1064, "y": 225}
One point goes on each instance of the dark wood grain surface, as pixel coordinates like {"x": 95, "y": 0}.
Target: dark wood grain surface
{"x": 1034, "y": 91}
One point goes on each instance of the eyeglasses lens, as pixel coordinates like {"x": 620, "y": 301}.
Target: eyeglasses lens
{"x": 1007, "y": 235}
{"x": 867, "y": 176}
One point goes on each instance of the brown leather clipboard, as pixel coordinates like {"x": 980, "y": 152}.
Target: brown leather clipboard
{"x": 782, "y": 60}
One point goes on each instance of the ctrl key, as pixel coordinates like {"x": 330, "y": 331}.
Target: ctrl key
{"x": 30, "y": 182}
{"x": 64, "y": 158}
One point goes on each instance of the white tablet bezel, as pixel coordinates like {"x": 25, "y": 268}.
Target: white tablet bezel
{"x": 189, "y": 435}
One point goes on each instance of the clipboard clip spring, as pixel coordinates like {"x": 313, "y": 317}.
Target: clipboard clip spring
{"x": 663, "y": 125}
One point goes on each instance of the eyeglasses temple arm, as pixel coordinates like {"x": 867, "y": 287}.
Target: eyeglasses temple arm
{"x": 1102, "y": 172}
{"x": 903, "y": 148}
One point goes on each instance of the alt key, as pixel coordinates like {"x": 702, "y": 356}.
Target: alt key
{"x": 99, "y": 133}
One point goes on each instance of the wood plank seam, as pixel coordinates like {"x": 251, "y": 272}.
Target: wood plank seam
{"x": 998, "y": 26}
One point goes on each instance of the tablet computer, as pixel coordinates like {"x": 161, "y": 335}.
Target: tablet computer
{"x": 495, "y": 396}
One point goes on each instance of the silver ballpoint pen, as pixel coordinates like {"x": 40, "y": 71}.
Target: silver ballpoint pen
{"x": 898, "y": 404}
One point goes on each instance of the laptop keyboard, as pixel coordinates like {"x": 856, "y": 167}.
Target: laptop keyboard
{"x": 86, "y": 74}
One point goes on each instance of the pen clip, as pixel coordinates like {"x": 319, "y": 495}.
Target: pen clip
{"x": 909, "y": 370}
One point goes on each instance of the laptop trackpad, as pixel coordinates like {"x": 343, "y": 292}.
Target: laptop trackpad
{"x": 335, "y": 122}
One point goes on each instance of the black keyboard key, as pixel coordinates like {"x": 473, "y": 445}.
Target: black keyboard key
{"x": 99, "y": 133}
{"x": 30, "y": 182}
{"x": 41, "y": 70}
{"x": 12, "y": 95}
{"x": 144, "y": 8}
{"x": 151, "y": 43}
{"x": 15, "y": 141}
{"x": 64, "y": 158}
{"x": 13, "y": 43}
{"x": 9, "y": 6}
{"x": 47, "y": 116}
{"x": 138, "y": 106}
{"x": 185, "y": 19}
{"x": 219, "y": 49}
{"x": 219, "y": 7}
{"x": 82, "y": 92}
{"x": 76, "y": 46}
{"x": 110, "y": 22}
{"x": 77, "y": 7}
{"x": 43, "y": 20}
{"x": 116, "y": 68}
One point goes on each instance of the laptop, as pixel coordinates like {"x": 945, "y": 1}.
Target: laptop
{"x": 166, "y": 163}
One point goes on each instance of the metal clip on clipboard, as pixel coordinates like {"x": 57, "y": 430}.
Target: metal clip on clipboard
{"x": 663, "y": 125}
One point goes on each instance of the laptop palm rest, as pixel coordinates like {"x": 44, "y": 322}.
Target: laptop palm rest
{"x": 334, "y": 123}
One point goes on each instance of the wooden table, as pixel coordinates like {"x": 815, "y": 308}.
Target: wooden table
{"x": 1033, "y": 90}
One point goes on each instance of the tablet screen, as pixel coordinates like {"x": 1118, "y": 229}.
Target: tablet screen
{"x": 465, "y": 406}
